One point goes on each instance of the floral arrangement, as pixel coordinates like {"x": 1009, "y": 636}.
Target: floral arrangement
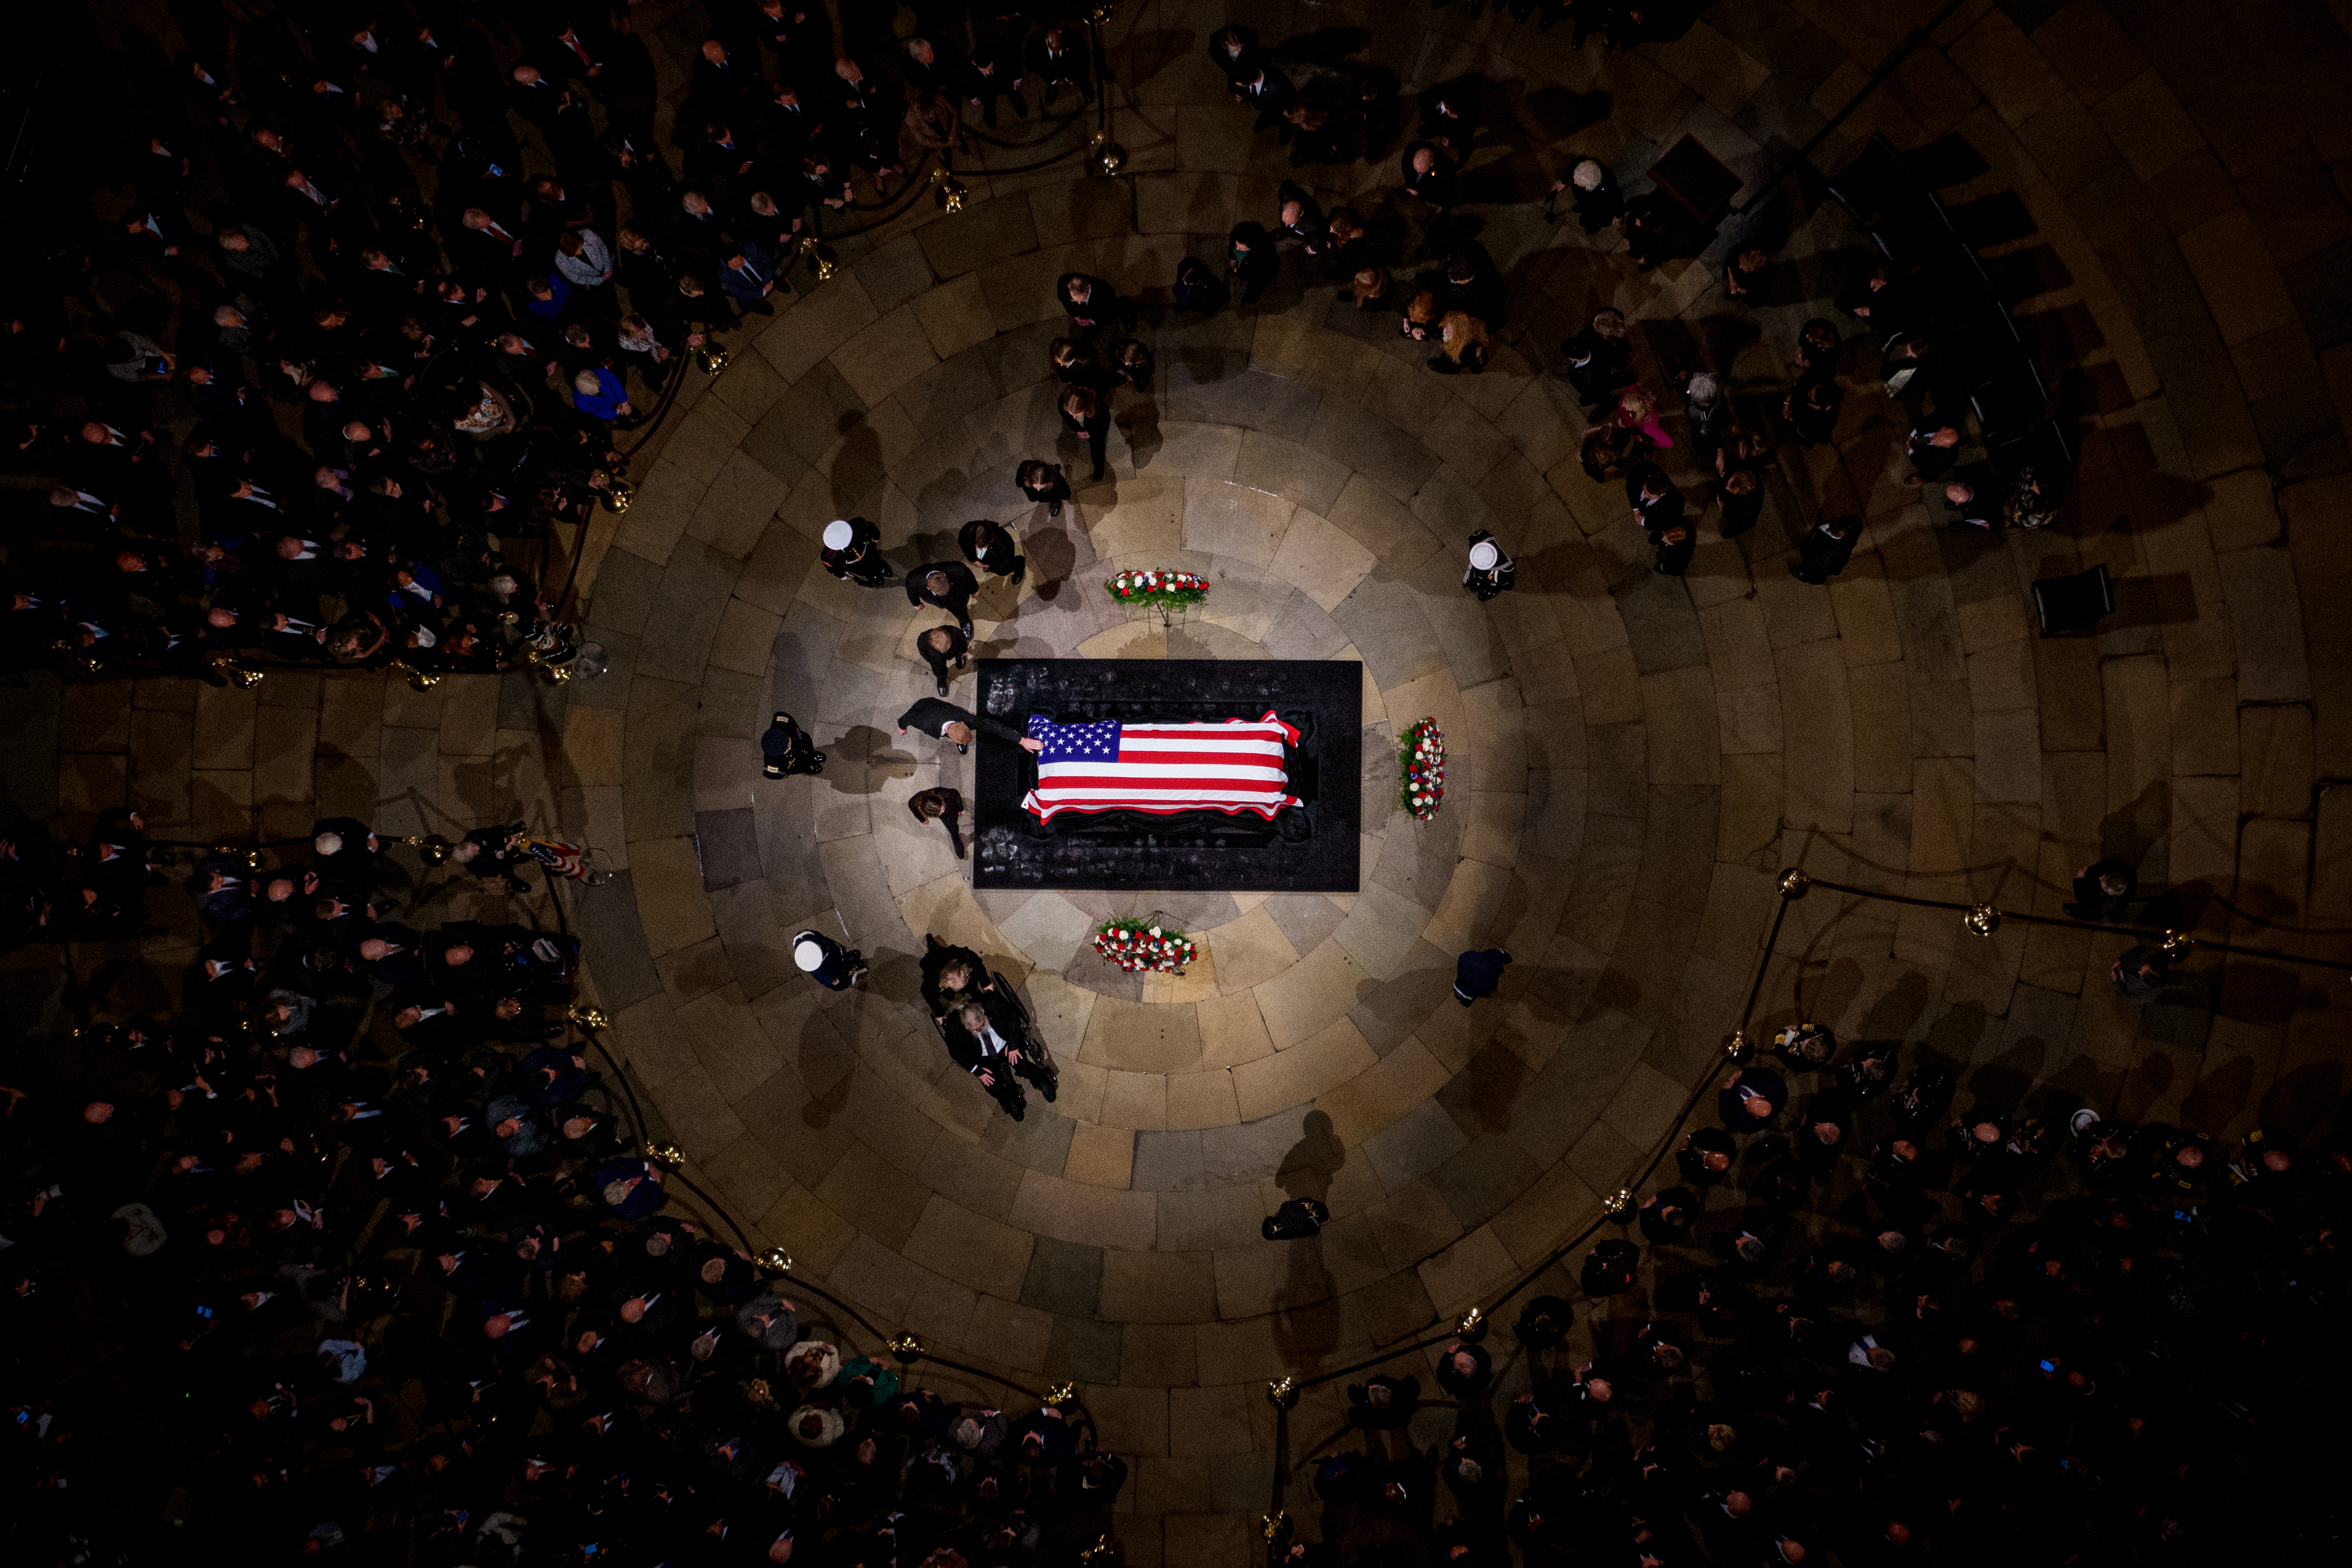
{"x": 1420, "y": 765}
{"x": 1136, "y": 947}
{"x": 1157, "y": 590}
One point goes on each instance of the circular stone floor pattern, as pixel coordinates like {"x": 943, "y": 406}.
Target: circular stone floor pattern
{"x": 1635, "y": 757}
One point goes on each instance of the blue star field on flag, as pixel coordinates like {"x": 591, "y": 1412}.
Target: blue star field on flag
{"x": 1075, "y": 743}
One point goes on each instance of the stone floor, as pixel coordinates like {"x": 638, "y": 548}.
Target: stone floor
{"x": 1637, "y": 757}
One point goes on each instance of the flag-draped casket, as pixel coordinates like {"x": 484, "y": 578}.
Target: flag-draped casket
{"x": 1233, "y": 766}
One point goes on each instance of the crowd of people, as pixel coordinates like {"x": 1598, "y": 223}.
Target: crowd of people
{"x": 387, "y": 285}
{"x": 1866, "y": 1324}
{"x": 408, "y": 1274}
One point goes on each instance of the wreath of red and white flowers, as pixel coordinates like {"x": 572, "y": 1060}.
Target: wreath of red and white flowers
{"x": 1421, "y": 762}
{"x": 1136, "y": 947}
{"x": 1157, "y": 589}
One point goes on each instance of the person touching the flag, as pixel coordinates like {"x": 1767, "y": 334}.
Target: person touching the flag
{"x": 959, "y": 727}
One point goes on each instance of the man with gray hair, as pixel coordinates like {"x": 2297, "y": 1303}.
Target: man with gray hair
{"x": 347, "y": 847}
{"x": 1707, "y": 409}
{"x": 1597, "y": 199}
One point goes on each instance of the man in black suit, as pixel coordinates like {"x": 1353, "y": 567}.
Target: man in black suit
{"x": 988, "y": 1039}
{"x": 1973, "y": 498}
{"x": 1449, "y": 117}
{"x": 1270, "y": 93}
{"x": 1933, "y": 448}
{"x": 947, "y": 584}
{"x": 1656, "y": 501}
{"x": 1429, "y": 174}
{"x": 1659, "y": 506}
{"x": 1823, "y": 553}
{"x": 2103, "y": 891}
{"x": 940, "y": 647}
{"x": 1090, "y": 301}
{"x": 491, "y": 250}
{"x": 958, "y": 728}
{"x": 1058, "y": 56}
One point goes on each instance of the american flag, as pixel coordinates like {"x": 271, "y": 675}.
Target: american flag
{"x": 1233, "y": 766}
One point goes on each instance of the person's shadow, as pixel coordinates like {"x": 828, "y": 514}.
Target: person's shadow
{"x": 865, "y": 759}
{"x": 1306, "y": 1170}
{"x": 1140, "y": 421}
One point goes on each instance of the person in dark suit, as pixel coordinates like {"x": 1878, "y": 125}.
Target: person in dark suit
{"x": 992, "y": 549}
{"x": 1823, "y": 553}
{"x": 1477, "y": 974}
{"x": 1250, "y": 257}
{"x": 1131, "y": 361}
{"x": 1270, "y": 93}
{"x": 1383, "y": 1404}
{"x": 1449, "y": 118}
{"x": 934, "y": 67}
{"x": 1675, "y": 542}
{"x": 1751, "y": 1099}
{"x": 1599, "y": 360}
{"x": 1747, "y": 274}
{"x": 1659, "y": 507}
{"x": 948, "y": 585}
{"x": 853, "y": 552}
{"x": 786, "y": 749}
{"x": 346, "y": 846}
{"x": 2103, "y": 891}
{"x": 1599, "y": 201}
{"x": 1933, "y": 448}
{"x": 1471, "y": 285}
{"x": 958, "y": 728}
{"x": 1043, "y": 481}
{"x": 1656, "y": 501}
{"x": 1236, "y": 52}
{"x": 1972, "y": 497}
{"x": 1196, "y": 288}
{"x": 1654, "y": 230}
{"x": 940, "y": 647}
{"x": 987, "y": 1038}
{"x": 2140, "y": 974}
{"x": 1429, "y": 174}
{"x": 1089, "y": 301}
{"x": 1085, "y": 414}
{"x": 1739, "y": 496}
{"x": 826, "y": 962}
{"x": 1297, "y": 218}
{"x": 1811, "y": 410}
{"x": 1058, "y": 55}
{"x": 942, "y": 805}
{"x": 1296, "y": 1220}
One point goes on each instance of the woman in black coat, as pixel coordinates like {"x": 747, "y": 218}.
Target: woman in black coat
{"x": 1249, "y": 257}
{"x": 1085, "y": 416}
{"x": 1044, "y": 481}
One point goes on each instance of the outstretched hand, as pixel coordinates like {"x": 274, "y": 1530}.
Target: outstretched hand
{"x": 1031, "y": 743}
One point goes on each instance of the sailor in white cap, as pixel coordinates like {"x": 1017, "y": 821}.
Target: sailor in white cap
{"x": 853, "y": 552}
{"x": 825, "y": 961}
{"x": 1490, "y": 571}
